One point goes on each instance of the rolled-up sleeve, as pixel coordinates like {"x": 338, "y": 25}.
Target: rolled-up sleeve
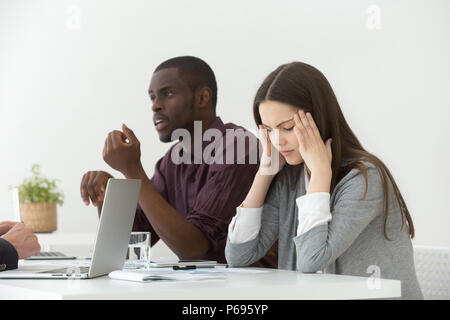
{"x": 141, "y": 222}
{"x": 245, "y": 224}
{"x": 313, "y": 210}
{"x": 242, "y": 254}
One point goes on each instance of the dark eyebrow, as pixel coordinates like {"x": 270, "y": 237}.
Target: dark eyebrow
{"x": 279, "y": 123}
{"x": 165, "y": 87}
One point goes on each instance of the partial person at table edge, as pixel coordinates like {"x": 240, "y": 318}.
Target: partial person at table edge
{"x": 17, "y": 241}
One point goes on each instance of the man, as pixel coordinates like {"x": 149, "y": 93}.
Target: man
{"x": 17, "y": 241}
{"x": 188, "y": 205}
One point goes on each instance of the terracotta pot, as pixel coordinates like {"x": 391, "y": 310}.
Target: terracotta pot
{"x": 41, "y": 217}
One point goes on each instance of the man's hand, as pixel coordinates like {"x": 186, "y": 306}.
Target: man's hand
{"x": 23, "y": 239}
{"x": 5, "y": 226}
{"x": 93, "y": 187}
{"x": 122, "y": 151}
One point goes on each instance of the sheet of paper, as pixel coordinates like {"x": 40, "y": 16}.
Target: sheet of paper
{"x": 198, "y": 270}
{"x": 157, "y": 276}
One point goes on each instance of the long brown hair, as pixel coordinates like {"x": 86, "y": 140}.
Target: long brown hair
{"x": 303, "y": 86}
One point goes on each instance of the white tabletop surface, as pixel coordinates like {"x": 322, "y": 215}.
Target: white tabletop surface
{"x": 271, "y": 285}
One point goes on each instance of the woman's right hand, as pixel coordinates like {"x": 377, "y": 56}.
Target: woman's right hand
{"x": 270, "y": 164}
{"x": 271, "y": 160}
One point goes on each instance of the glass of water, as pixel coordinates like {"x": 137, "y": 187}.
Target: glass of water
{"x": 138, "y": 253}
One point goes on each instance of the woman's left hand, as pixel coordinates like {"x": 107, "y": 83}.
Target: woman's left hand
{"x": 316, "y": 154}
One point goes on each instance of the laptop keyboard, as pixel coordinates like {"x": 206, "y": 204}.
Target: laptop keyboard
{"x": 50, "y": 254}
{"x": 72, "y": 270}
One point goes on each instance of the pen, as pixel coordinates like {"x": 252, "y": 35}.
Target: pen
{"x": 193, "y": 267}
{"x": 184, "y": 267}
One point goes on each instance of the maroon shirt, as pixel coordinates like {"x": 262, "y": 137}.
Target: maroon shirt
{"x": 206, "y": 194}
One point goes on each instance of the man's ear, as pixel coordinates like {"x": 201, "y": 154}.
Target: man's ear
{"x": 203, "y": 97}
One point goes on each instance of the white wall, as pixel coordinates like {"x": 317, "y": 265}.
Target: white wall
{"x": 71, "y": 71}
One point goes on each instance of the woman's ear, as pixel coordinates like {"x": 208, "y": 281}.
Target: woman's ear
{"x": 203, "y": 97}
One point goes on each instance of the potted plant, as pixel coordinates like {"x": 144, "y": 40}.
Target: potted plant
{"x": 38, "y": 198}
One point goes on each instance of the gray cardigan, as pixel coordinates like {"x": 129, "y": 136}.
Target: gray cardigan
{"x": 350, "y": 244}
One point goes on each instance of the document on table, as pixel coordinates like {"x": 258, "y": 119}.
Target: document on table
{"x": 141, "y": 275}
{"x": 170, "y": 274}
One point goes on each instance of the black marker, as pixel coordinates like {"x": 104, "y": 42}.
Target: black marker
{"x": 189, "y": 267}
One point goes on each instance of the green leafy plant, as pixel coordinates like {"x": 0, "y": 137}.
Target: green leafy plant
{"x": 39, "y": 189}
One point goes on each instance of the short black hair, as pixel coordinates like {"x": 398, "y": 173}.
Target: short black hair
{"x": 195, "y": 72}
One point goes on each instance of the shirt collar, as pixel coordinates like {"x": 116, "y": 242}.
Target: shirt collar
{"x": 216, "y": 124}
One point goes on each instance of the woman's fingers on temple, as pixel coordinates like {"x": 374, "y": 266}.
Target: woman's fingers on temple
{"x": 300, "y": 128}
{"x": 263, "y": 133}
{"x": 329, "y": 150}
{"x": 298, "y": 122}
{"x": 299, "y": 135}
{"x": 269, "y": 146}
{"x": 313, "y": 125}
{"x": 305, "y": 122}
{"x": 265, "y": 139}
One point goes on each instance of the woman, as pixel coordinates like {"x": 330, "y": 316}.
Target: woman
{"x": 333, "y": 206}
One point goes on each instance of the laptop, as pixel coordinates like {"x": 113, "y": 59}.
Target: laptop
{"x": 113, "y": 236}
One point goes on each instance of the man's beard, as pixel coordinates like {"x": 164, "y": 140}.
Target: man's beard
{"x": 188, "y": 126}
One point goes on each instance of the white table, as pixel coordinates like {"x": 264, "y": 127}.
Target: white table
{"x": 272, "y": 285}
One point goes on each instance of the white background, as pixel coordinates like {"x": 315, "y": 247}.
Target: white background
{"x": 71, "y": 71}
